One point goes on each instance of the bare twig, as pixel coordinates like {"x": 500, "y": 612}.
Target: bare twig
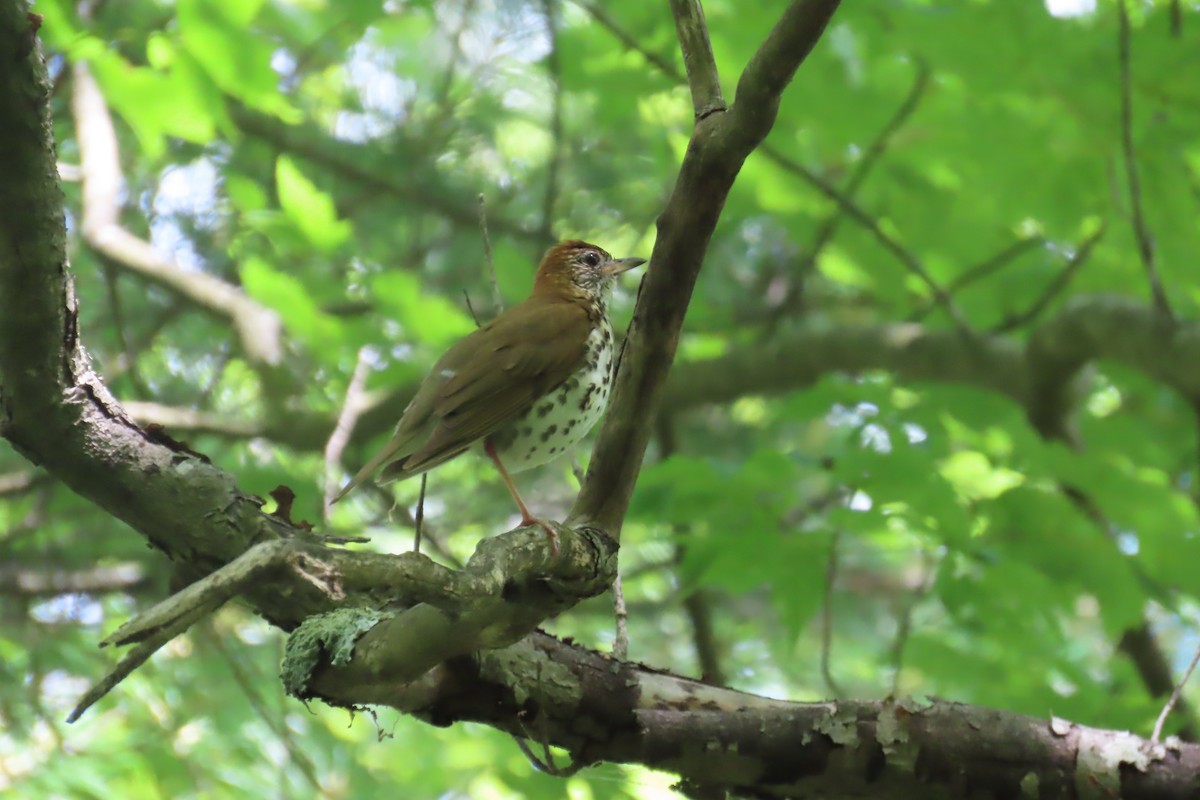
{"x": 907, "y": 258}
{"x": 1170, "y": 704}
{"x": 352, "y": 407}
{"x": 661, "y": 63}
{"x": 828, "y": 227}
{"x": 545, "y": 763}
{"x": 175, "y": 614}
{"x": 489, "y": 263}
{"x": 621, "y": 642}
{"x": 904, "y": 623}
{"x": 831, "y": 566}
{"x": 471, "y": 308}
{"x": 993, "y": 264}
{"x": 1140, "y": 231}
{"x": 698, "y": 60}
{"x": 419, "y": 518}
{"x": 125, "y": 667}
{"x": 1056, "y": 286}
{"x": 989, "y": 266}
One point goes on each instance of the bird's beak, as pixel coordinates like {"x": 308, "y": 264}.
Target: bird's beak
{"x": 618, "y": 265}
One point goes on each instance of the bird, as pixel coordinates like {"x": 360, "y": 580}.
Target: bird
{"x": 522, "y": 388}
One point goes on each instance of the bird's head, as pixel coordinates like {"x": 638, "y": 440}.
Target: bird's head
{"x": 580, "y": 271}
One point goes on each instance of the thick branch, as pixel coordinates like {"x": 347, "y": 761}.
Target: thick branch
{"x": 601, "y": 709}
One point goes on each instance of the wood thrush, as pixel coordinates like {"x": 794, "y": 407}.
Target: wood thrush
{"x": 524, "y": 387}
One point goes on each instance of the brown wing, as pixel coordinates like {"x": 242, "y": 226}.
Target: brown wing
{"x": 529, "y": 351}
{"x": 487, "y": 379}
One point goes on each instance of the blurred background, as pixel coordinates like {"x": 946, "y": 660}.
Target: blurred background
{"x": 824, "y": 512}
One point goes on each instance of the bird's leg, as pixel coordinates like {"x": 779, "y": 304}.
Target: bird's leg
{"x": 526, "y": 517}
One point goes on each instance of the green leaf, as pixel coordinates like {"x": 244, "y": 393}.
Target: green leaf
{"x": 310, "y": 209}
{"x": 426, "y": 318}
{"x": 288, "y": 296}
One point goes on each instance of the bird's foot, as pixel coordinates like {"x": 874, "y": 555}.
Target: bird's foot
{"x": 550, "y": 532}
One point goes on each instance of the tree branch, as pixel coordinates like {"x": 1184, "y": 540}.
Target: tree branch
{"x": 600, "y": 709}
{"x": 260, "y": 329}
{"x": 718, "y": 147}
{"x": 703, "y": 79}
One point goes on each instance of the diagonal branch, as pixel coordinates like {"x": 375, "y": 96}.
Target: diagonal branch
{"x": 774, "y": 154}
{"x": 1055, "y": 287}
{"x": 719, "y": 145}
{"x": 828, "y": 227}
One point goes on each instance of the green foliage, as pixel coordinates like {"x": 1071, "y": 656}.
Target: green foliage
{"x": 326, "y": 159}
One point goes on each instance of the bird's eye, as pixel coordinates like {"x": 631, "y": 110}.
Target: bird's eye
{"x": 591, "y": 259}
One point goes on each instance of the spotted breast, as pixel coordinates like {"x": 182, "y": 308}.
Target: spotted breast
{"x": 563, "y": 416}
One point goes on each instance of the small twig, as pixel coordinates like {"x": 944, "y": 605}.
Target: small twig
{"x": 127, "y": 357}
{"x": 1177, "y": 692}
{"x": 827, "y": 229}
{"x": 827, "y": 614}
{"x": 471, "y": 308}
{"x": 419, "y": 519}
{"x": 352, "y": 407}
{"x": 428, "y": 534}
{"x": 1166, "y": 711}
{"x": 545, "y": 763}
{"x": 853, "y": 211}
{"x": 696, "y": 601}
{"x": 994, "y": 263}
{"x": 984, "y": 269}
{"x": 1055, "y": 287}
{"x": 490, "y": 265}
{"x": 131, "y": 661}
{"x": 1140, "y": 231}
{"x": 663, "y": 64}
{"x": 621, "y": 642}
{"x": 904, "y": 625}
